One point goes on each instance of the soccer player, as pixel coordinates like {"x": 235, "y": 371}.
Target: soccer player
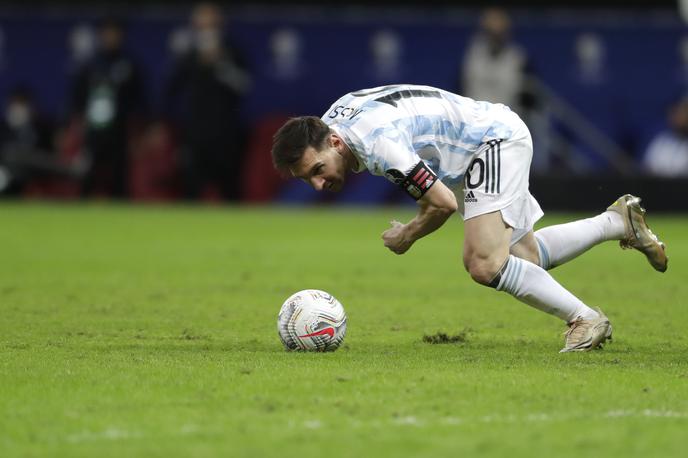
{"x": 451, "y": 153}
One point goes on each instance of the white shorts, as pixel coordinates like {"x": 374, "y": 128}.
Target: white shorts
{"x": 497, "y": 179}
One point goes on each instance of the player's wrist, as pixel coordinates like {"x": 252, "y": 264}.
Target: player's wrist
{"x": 412, "y": 231}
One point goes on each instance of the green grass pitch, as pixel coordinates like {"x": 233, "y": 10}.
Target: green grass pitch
{"x": 151, "y": 331}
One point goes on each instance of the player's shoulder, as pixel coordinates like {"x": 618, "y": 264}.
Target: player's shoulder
{"x": 381, "y": 95}
{"x": 368, "y": 113}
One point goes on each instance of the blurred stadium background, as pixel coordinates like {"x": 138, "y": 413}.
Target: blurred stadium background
{"x": 185, "y": 108}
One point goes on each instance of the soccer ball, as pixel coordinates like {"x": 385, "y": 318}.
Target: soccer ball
{"x": 311, "y": 320}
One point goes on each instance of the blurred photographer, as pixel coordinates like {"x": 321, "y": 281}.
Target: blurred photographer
{"x": 25, "y": 143}
{"x": 108, "y": 95}
{"x": 206, "y": 89}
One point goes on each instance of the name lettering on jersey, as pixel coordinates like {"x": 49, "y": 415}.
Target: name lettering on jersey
{"x": 344, "y": 112}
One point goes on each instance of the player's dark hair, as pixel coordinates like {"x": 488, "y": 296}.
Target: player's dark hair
{"x": 292, "y": 139}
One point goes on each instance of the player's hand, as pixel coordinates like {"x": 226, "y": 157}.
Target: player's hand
{"x": 395, "y": 238}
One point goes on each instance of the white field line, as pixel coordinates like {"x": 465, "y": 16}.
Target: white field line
{"x": 536, "y": 417}
{"x": 312, "y": 424}
{"x": 117, "y": 434}
{"x": 543, "y": 417}
{"x": 110, "y": 434}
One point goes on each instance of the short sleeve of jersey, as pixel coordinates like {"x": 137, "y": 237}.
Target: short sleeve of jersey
{"x": 393, "y": 159}
{"x": 386, "y": 151}
{"x": 390, "y": 152}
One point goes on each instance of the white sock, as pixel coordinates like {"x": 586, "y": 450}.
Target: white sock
{"x": 531, "y": 284}
{"x": 563, "y": 242}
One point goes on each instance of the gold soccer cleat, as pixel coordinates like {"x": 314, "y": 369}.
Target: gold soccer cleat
{"x": 638, "y": 234}
{"x": 586, "y": 335}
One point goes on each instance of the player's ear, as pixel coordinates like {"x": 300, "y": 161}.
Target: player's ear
{"x": 335, "y": 141}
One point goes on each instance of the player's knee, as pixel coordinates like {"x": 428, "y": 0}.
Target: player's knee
{"x": 483, "y": 269}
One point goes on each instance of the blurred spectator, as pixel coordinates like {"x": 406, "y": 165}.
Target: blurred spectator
{"x": 25, "y": 143}
{"x": 28, "y": 155}
{"x": 495, "y": 69}
{"x": 211, "y": 80}
{"x": 108, "y": 94}
{"x": 667, "y": 153}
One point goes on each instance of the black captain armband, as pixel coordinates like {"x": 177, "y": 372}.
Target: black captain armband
{"x": 417, "y": 182}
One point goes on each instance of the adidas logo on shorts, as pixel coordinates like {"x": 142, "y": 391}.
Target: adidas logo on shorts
{"x": 470, "y": 197}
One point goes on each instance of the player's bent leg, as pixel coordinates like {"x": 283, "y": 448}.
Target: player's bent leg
{"x": 624, "y": 220}
{"x": 486, "y": 246}
{"x": 490, "y": 261}
{"x": 561, "y": 243}
{"x": 487, "y": 259}
{"x": 527, "y": 248}
{"x": 534, "y": 286}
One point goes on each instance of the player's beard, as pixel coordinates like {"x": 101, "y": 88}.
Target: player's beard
{"x": 336, "y": 181}
{"x": 336, "y": 186}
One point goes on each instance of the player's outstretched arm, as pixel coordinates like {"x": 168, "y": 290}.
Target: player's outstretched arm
{"x": 434, "y": 208}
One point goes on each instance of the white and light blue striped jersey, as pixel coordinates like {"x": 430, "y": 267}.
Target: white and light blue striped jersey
{"x": 394, "y": 127}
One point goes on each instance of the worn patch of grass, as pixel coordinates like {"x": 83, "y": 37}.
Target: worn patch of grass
{"x": 444, "y": 338}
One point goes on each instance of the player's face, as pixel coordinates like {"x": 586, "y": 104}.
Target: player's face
{"x": 324, "y": 169}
